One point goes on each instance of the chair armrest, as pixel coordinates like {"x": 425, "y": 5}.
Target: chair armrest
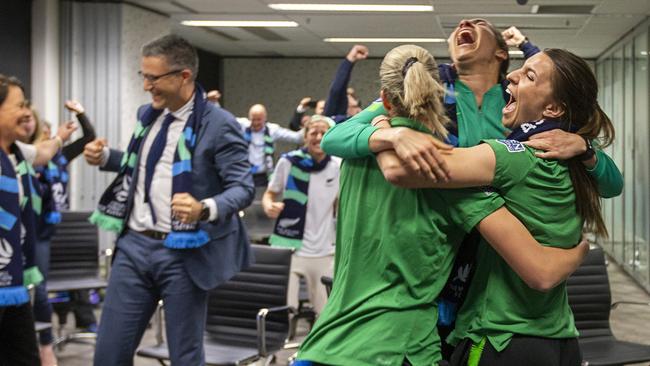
{"x": 261, "y": 325}
{"x": 158, "y": 323}
{"x": 108, "y": 258}
{"x": 616, "y": 304}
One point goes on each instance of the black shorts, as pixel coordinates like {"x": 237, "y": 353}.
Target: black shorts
{"x": 523, "y": 350}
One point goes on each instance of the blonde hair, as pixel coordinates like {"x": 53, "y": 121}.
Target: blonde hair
{"x": 317, "y": 118}
{"x": 38, "y": 130}
{"x": 409, "y": 79}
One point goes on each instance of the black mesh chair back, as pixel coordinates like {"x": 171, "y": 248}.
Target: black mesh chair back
{"x": 258, "y": 226}
{"x": 233, "y": 306}
{"x": 590, "y": 300}
{"x": 74, "y": 254}
{"x": 590, "y": 297}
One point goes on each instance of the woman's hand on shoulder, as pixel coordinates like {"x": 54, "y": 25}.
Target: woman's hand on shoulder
{"x": 557, "y": 144}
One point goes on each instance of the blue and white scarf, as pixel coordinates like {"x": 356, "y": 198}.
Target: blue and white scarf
{"x": 268, "y": 149}
{"x": 290, "y": 226}
{"x": 17, "y": 230}
{"x": 111, "y": 211}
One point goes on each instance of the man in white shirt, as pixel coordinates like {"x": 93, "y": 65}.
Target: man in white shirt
{"x": 147, "y": 266}
{"x": 261, "y": 136}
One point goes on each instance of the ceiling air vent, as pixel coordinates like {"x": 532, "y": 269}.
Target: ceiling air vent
{"x": 565, "y": 9}
{"x": 265, "y": 33}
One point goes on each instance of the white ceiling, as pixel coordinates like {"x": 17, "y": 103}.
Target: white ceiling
{"x": 587, "y": 34}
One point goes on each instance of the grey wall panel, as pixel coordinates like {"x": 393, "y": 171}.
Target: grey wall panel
{"x": 90, "y": 53}
{"x": 280, "y": 83}
{"x": 90, "y": 69}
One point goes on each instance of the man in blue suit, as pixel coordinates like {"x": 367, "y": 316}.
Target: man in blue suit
{"x": 175, "y": 203}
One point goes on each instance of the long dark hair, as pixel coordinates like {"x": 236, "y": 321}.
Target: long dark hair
{"x": 575, "y": 87}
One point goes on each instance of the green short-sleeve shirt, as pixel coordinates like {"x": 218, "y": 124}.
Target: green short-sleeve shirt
{"x": 499, "y": 304}
{"x": 395, "y": 249}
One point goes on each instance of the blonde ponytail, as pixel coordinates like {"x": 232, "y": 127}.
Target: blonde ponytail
{"x": 409, "y": 79}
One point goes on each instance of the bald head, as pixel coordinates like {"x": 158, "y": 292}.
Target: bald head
{"x": 257, "y": 116}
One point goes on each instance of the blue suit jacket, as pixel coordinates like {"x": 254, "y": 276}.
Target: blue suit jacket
{"x": 220, "y": 170}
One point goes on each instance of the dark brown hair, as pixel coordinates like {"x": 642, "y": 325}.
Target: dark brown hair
{"x": 576, "y": 89}
{"x": 5, "y": 83}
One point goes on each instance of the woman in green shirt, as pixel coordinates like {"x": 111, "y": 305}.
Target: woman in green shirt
{"x": 503, "y": 320}
{"x": 395, "y": 247}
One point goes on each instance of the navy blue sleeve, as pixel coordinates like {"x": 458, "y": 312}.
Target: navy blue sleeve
{"x": 294, "y": 124}
{"x": 76, "y": 148}
{"x": 114, "y": 161}
{"x": 529, "y": 49}
{"x": 337, "y": 99}
{"x": 231, "y": 161}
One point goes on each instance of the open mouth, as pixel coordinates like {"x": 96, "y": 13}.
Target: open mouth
{"x": 23, "y": 121}
{"x": 465, "y": 36}
{"x": 512, "y": 103}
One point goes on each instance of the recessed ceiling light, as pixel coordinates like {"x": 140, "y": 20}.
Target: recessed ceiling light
{"x": 516, "y": 53}
{"x": 351, "y": 7}
{"x": 644, "y": 53}
{"x": 385, "y": 40}
{"x": 239, "y": 23}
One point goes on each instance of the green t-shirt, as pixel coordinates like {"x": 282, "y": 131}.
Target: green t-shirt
{"x": 499, "y": 304}
{"x": 395, "y": 249}
{"x": 474, "y": 123}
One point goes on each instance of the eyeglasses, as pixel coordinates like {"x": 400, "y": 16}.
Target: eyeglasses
{"x": 154, "y": 78}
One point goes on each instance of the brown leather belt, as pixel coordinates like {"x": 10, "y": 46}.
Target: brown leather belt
{"x": 156, "y": 235}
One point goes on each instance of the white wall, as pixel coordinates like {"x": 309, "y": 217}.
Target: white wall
{"x": 138, "y": 27}
{"x": 45, "y": 90}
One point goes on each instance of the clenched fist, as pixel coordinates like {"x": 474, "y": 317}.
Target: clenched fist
{"x": 93, "y": 151}
{"x": 358, "y": 52}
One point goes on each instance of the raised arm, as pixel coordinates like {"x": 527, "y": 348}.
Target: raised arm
{"x": 45, "y": 150}
{"x": 514, "y": 38}
{"x": 74, "y": 149}
{"x": 279, "y": 133}
{"x": 541, "y": 267}
{"x": 337, "y": 99}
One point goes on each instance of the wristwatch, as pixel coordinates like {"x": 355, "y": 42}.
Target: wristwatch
{"x": 205, "y": 212}
{"x": 589, "y": 153}
{"x": 522, "y": 42}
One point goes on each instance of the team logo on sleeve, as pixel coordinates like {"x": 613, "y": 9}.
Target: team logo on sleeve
{"x": 488, "y": 190}
{"x": 512, "y": 145}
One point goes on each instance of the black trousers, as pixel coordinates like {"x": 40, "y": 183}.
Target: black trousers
{"x": 18, "y": 345}
{"x": 524, "y": 350}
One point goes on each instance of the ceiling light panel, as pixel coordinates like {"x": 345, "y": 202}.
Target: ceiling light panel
{"x": 385, "y": 40}
{"x": 240, "y": 23}
{"x": 352, "y": 7}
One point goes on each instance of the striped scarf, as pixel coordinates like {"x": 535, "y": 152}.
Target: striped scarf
{"x": 111, "y": 211}
{"x": 268, "y": 149}
{"x": 17, "y": 230}
{"x": 290, "y": 226}
{"x": 54, "y": 182}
